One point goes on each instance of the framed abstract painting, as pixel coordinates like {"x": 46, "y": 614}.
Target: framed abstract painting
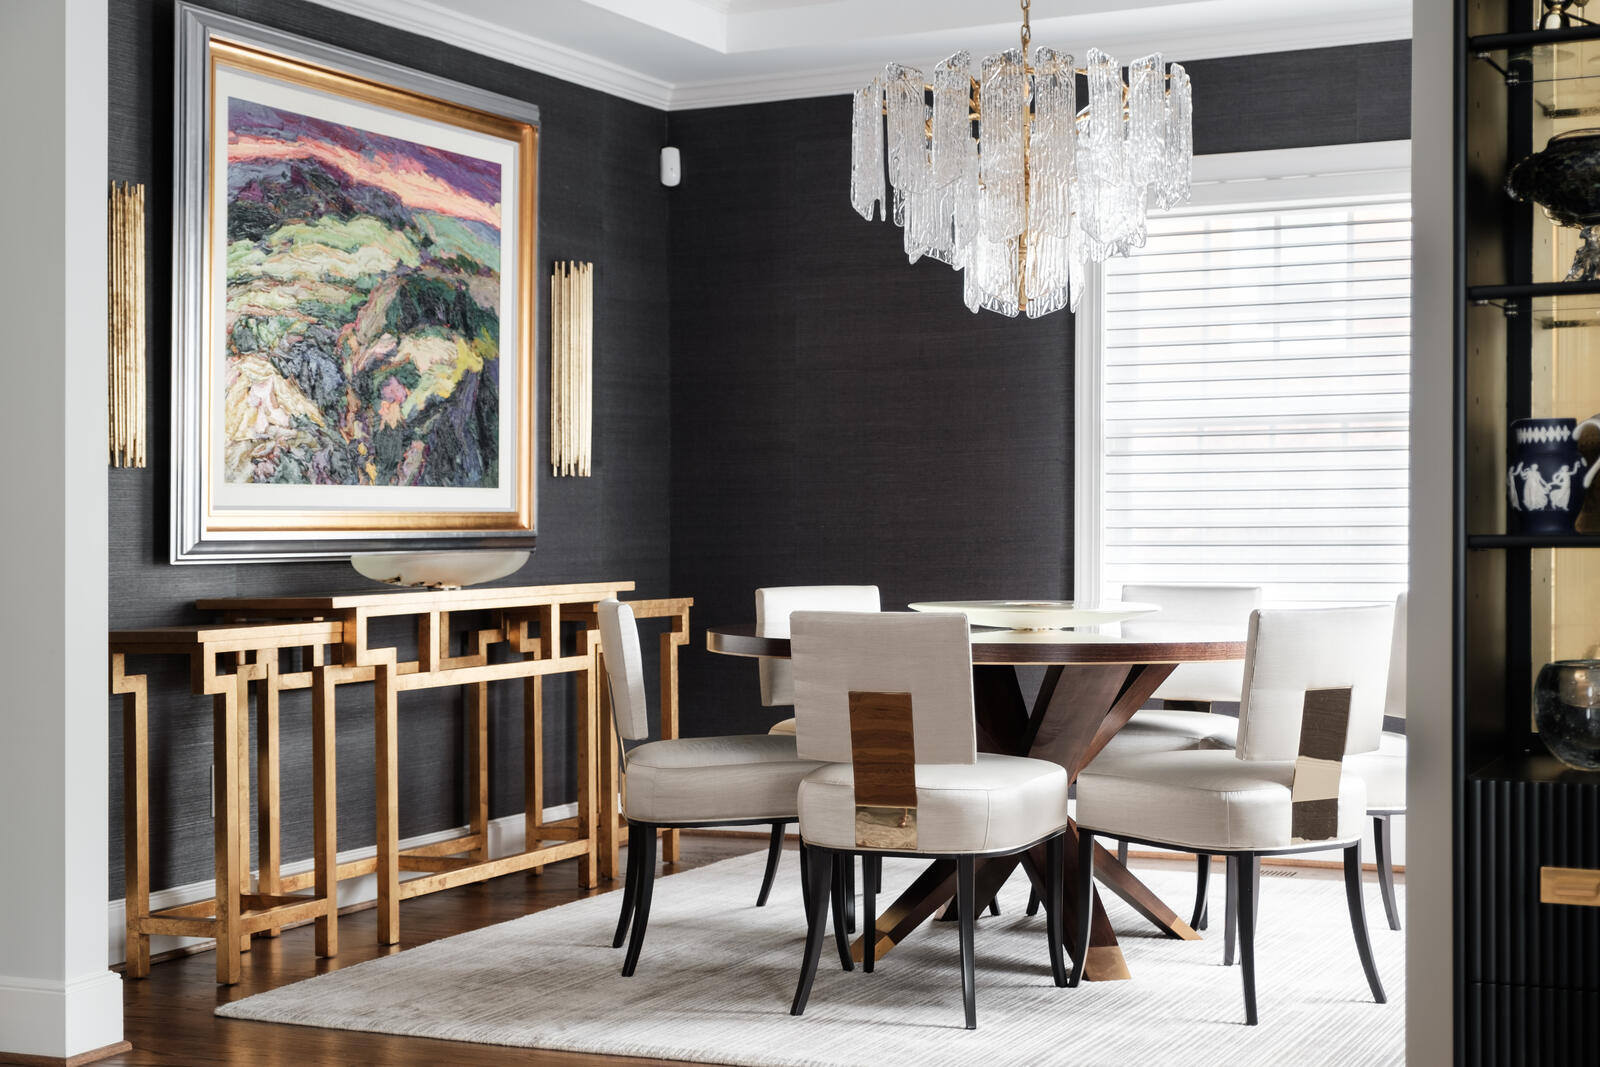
{"x": 353, "y": 303}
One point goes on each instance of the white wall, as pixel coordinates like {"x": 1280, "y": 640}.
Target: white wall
{"x": 1429, "y": 883}
{"x": 56, "y": 996}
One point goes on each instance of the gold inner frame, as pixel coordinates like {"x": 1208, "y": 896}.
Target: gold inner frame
{"x": 221, "y": 52}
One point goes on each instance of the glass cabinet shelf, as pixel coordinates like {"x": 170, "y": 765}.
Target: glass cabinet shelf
{"x": 1479, "y": 542}
{"x": 1550, "y": 305}
{"x": 1564, "y": 71}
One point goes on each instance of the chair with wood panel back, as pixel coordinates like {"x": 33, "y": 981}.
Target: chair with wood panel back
{"x": 885, "y": 700}
{"x": 683, "y": 782}
{"x": 1313, "y": 689}
{"x": 774, "y": 605}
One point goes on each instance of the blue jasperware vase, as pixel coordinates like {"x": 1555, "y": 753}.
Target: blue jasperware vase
{"x": 1544, "y": 476}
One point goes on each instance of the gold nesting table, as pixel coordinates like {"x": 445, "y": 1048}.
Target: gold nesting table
{"x": 322, "y": 642}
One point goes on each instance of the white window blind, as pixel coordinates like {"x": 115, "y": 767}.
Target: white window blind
{"x": 1255, "y": 400}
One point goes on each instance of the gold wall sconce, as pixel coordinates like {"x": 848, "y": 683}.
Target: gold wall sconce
{"x": 571, "y": 367}
{"x": 125, "y": 324}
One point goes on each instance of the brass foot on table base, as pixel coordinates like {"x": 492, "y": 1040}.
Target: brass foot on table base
{"x": 1106, "y": 964}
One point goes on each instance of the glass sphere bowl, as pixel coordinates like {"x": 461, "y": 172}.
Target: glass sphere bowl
{"x": 1567, "y": 709}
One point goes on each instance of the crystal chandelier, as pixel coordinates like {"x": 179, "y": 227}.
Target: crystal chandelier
{"x": 1002, "y": 177}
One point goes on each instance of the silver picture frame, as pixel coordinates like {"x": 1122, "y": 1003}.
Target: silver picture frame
{"x": 195, "y": 535}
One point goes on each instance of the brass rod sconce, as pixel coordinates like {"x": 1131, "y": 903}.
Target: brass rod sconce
{"x": 571, "y": 367}
{"x": 125, "y": 324}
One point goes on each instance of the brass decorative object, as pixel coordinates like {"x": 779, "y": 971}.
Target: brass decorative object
{"x": 125, "y": 324}
{"x": 571, "y": 367}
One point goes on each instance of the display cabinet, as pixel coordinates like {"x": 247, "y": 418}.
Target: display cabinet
{"x": 1527, "y": 956}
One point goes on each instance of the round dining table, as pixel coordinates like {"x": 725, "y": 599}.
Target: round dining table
{"x": 1093, "y": 683}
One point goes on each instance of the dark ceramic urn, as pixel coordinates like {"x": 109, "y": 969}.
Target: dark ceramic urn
{"x": 1564, "y": 179}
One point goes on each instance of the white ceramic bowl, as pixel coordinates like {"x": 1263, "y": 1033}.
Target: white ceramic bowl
{"x": 1038, "y": 614}
{"x": 437, "y": 570}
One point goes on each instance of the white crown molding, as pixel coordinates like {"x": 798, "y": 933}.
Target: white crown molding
{"x": 434, "y": 19}
{"x": 1253, "y": 40}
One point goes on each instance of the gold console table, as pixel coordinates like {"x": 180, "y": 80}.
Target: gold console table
{"x": 336, "y": 647}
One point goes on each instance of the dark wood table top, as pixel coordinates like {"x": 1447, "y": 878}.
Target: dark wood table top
{"x": 1010, "y": 647}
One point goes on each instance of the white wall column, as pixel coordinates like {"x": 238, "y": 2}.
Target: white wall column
{"x": 1430, "y": 884}
{"x": 57, "y": 999}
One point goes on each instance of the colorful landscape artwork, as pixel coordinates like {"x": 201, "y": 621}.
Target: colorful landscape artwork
{"x": 363, "y": 297}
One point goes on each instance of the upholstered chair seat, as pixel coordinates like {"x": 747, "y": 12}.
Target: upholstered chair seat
{"x": 998, "y": 804}
{"x": 692, "y": 779}
{"x": 1384, "y": 771}
{"x": 1206, "y": 801}
{"x": 1189, "y": 613}
{"x": 1169, "y": 730}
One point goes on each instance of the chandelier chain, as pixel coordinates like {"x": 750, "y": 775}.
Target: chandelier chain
{"x": 1027, "y": 32}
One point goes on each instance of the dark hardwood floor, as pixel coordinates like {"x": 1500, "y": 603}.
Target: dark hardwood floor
{"x": 168, "y": 1016}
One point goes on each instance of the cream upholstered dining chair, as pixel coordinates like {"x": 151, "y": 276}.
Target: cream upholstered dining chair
{"x": 885, "y": 700}
{"x": 1384, "y": 768}
{"x": 690, "y": 781}
{"x": 1192, "y": 612}
{"x": 1188, "y": 612}
{"x": 1314, "y": 684}
{"x": 774, "y": 605}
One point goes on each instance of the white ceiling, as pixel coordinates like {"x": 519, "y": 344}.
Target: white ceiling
{"x": 698, "y": 53}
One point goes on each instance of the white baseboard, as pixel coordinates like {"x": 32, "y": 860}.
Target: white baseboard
{"x": 59, "y": 1019}
{"x": 505, "y": 838}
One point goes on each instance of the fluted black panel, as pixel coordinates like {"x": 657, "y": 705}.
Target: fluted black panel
{"x": 1516, "y": 827}
{"x": 1529, "y": 1025}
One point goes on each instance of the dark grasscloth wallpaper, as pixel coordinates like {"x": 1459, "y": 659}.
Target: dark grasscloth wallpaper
{"x": 779, "y": 399}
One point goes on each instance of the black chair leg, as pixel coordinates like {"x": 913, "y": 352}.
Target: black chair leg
{"x": 774, "y": 850}
{"x": 966, "y": 905}
{"x": 1122, "y": 853}
{"x": 871, "y": 871}
{"x": 877, "y": 874}
{"x": 1245, "y": 871}
{"x": 848, "y": 871}
{"x": 630, "y": 888}
{"x": 1230, "y": 911}
{"x": 1054, "y": 850}
{"x": 1202, "y": 885}
{"x": 1383, "y": 852}
{"x": 1358, "y": 920}
{"x": 842, "y": 862}
{"x": 641, "y": 908}
{"x": 1085, "y": 892}
{"x": 818, "y": 868}
{"x": 1033, "y": 902}
{"x": 805, "y": 879}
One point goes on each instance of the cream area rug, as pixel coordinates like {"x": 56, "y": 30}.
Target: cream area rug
{"x": 717, "y": 974}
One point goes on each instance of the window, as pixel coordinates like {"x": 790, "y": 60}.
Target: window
{"x": 1249, "y": 421}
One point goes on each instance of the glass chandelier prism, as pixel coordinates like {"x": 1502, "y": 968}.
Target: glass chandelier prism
{"x": 997, "y": 172}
